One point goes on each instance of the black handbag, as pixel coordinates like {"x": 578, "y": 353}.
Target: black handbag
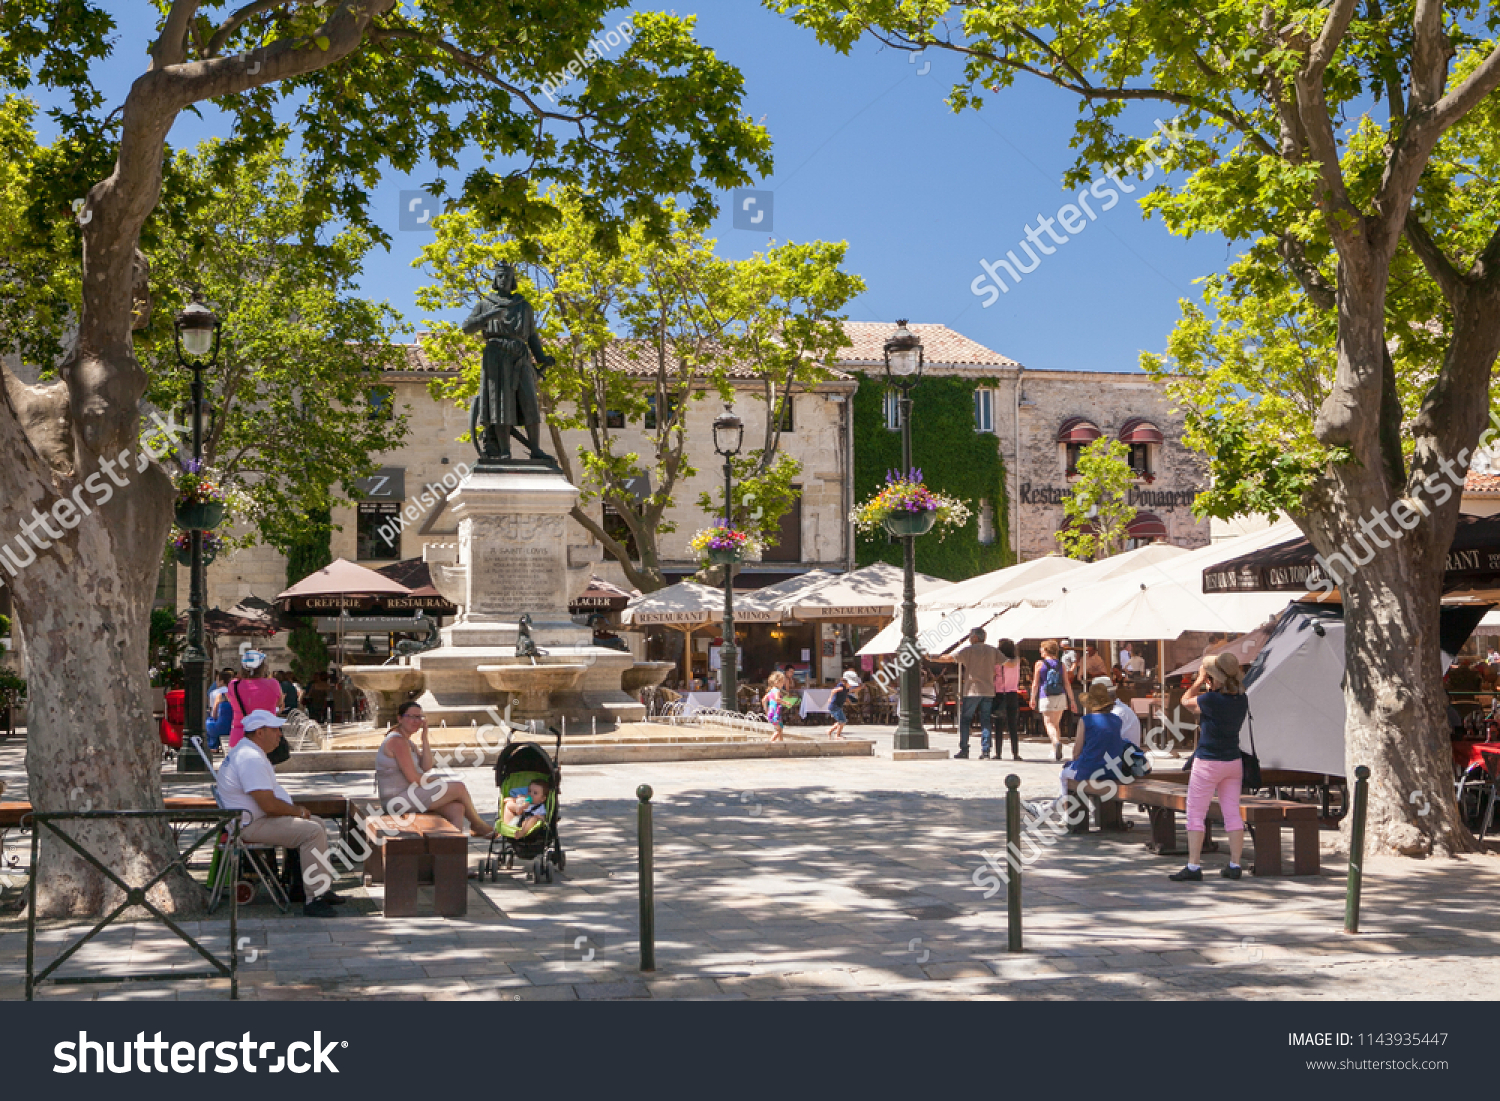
{"x": 1249, "y": 761}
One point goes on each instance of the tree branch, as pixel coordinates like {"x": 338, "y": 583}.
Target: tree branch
{"x": 1443, "y": 271}
{"x": 235, "y": 20}
{"x": 171, "y": 48}
{"x": 1429, "y": 54}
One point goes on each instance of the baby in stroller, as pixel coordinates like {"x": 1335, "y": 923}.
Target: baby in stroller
{"x": 526, "y": 808}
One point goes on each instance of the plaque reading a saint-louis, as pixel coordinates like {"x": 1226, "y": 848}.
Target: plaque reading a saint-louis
{"x": 517, "y": 564}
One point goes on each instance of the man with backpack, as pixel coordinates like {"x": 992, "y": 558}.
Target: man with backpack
{"x": 976, "y": 665}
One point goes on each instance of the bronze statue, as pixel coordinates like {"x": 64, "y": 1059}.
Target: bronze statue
{"x": 507, "y": 383}
{"x": 526, "y": 646}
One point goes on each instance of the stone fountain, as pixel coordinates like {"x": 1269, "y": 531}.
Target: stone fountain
{"x": 513, "y": 557}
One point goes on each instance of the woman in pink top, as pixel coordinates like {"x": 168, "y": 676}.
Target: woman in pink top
{"x": 1008, "y": 698}
{"x": 252, "y": 691}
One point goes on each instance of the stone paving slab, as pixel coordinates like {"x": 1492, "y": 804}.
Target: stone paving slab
{"x": 842, "y": 878}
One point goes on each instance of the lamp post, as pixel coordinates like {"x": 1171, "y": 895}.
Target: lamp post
{"x": 196, "y": 334}
{"x": 729, "y": 434}
{"x": 903, "y": 368}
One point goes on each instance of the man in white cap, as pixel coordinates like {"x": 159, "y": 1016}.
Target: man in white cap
{"x": 247, "y": 783}
{"x": 1130, "y": 723}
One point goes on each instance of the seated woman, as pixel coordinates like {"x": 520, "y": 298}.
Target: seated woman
{"x": 1099, "y": 746}
{"x": 526, "y": 809}
{"x": 406, "y": 783}
{"x": 220, "y": 713}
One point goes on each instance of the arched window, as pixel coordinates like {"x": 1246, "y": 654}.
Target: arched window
{"x": 1147, "y": 527}
{"x": 1143, "y": 438}
{"x": 1075, "y": 434}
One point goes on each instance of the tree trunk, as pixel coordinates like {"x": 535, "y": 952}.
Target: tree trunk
{"x": 84, "y": 604}
{"x": 1397, "y": 720}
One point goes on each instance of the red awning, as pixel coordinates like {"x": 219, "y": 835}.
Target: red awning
{"x": 1146, "y": 525}
{"x": 1078, "y": 430}
{"x": 1140, "y": 430}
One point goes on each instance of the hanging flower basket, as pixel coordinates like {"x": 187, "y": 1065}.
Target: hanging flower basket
{"x": 901, "y": 524}
{"x": 905, "y": 506}
{"x": 182, "y": 546}
{"x": 721, "y": 545}
{"x": 200, "y": 515}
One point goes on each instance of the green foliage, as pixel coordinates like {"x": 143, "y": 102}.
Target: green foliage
{"x": 166, "y": 648}
{"x": 309, "y": 553}
{"x": 12, "y": 684}
{"x": 1096, "y": 512}
{"x": 649, "y": 325}
{"x": 660, "y": 116}
{"x": 954, "y": 459}
{"x": 4, "y": 626}
{"x": 300, "y": 350}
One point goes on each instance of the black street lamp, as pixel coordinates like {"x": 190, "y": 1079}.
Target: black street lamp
{"x": 729, "y": 434}
{"x": 196, "y": 333}
{"x": 903, "y": 368}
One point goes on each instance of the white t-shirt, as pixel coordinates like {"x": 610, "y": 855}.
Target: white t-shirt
{"x": 1137, "y": 664}
{"x": 1130, "y": 722}
{"x": 247, "y": 769}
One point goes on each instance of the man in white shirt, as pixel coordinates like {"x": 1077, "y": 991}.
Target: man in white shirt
{"x": 247, "y": 783}
{"x": 1130, "y": 722}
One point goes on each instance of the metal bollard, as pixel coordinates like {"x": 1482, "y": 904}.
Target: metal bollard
{"x": 1013, "y": 847}
{"x": 1356, "y": 849}
{"x": 646, "y": 874}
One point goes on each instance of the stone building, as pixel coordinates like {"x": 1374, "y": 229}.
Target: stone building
{"x": 1040, "y": 420}
{"x": 405, "y": 504}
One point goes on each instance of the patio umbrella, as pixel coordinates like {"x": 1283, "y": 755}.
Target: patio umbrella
{"x": 685, "y": 606}
{"x": 600, "y": 596}
{"x": 992, "y": 589}
{"x": 874, "y": 592}
{"x": 771, "y": 597}
{"x": 339, "y": 586}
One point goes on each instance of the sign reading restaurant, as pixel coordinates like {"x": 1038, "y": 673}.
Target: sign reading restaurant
{"x": 1146, "y": 498}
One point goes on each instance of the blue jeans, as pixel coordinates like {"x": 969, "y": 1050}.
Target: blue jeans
{"x": 984, "y": 705}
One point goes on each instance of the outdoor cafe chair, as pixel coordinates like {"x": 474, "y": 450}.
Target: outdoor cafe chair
{"x": 230, "y": 842}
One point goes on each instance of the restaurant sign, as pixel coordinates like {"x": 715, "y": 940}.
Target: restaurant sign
{"x": 1144, "y": 498}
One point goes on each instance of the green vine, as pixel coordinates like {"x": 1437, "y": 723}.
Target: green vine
{"x": 312, "y": 551}
{"x": 954, "y": 459}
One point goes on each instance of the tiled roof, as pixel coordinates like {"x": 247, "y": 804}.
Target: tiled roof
{"x": 940, "y": 346}
{"x": 618, "y": 356}
{"x": 1482, "y": 483}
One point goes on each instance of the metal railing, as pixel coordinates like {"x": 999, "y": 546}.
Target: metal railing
{"x": 134, "y": 897}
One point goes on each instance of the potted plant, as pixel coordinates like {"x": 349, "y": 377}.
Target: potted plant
{"x": 182, "y": 546}
{"x": 720, "y": 545}
{"x": 200, "y": 497}
{"x": 905, "y": 506}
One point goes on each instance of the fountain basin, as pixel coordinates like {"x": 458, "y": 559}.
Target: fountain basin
{"x": 391, "y": 685}
{"x": 645, "y": 674}
{"x": 533, "y": 685}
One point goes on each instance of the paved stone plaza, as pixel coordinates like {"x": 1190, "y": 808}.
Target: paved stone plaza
{"x": 839, "y": 878}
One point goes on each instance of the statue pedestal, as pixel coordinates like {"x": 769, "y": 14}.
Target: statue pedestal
{"x": 513, "y": 559}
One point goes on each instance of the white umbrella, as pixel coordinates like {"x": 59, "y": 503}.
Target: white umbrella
{"x": 992, "y": 589}
{"x": 938, "y": 630}
{"x": 872, "y": 592}
{"x": 771, "y": 598}
{"x": 683, "y": 604}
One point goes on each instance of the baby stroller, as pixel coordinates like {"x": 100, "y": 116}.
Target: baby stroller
{"x": 519, "y": 764}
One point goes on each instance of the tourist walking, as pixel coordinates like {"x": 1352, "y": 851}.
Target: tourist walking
{"x": 976, "y": 665}
{"x": 1052, "y": 693}
{"x": 1219, "y": 698}
{"x": 1007, "y": 705}
{"x": 771, "y": 701}
{"x": 252, "y": 690}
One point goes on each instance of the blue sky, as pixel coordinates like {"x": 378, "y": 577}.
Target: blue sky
{"x": 867, "y": 152}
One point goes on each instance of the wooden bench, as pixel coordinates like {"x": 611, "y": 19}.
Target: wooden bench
{"x": 1323, "y": 783}
{"x": 1164, "y": 800}
{"x": 417, "y": 849}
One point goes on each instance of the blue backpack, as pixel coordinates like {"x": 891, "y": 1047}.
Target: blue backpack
{"x": 1052, "y": 684}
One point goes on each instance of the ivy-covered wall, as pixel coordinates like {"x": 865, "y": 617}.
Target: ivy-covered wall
{"x": 952, "y": 457}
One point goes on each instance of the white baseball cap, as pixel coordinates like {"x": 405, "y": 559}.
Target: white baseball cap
{"x": 252, "y": 659}
{"x": 257, "y": 719}
{"x": 851, "y": 677}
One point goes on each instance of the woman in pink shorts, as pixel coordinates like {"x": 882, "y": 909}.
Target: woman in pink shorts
{"x": 1219, "y": 698}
